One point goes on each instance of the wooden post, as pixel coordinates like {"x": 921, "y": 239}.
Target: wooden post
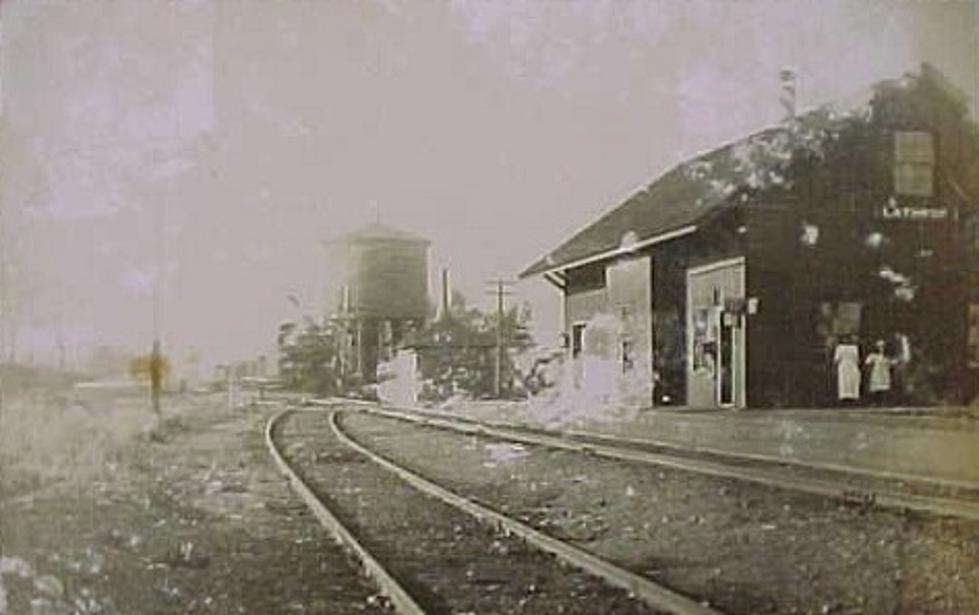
{"x": 500, "y": 340}
{"x": 156, "y": 376}
{"x": 497, "y": 379}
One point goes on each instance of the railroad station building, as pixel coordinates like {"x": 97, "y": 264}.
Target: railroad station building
{"x": 730, "y": 279}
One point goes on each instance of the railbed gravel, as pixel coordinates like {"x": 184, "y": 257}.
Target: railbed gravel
{"x": 744, "y": 547}
{"x": 447, "y": 560}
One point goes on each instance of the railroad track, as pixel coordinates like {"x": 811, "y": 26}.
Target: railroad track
{"x": 431, "y": 550}
{"x": 852, "y": 487}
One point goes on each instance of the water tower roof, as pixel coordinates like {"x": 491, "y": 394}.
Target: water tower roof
{"x": 378, "y": 232}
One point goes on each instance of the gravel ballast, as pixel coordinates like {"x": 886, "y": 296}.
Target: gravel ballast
{"x": 449, "y": 561}
{"x": 746, "y": 548}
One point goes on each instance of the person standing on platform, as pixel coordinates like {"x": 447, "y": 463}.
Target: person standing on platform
{"x": 846, "y": 358}
{"x": 879, "y": 383}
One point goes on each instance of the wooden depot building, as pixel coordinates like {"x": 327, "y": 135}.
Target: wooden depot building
{"x": 733, "y": 276}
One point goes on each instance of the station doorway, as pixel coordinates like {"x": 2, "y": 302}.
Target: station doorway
{"x": 716, "y": 340}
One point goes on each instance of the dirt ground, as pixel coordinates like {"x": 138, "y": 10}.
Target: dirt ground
{"x": 746, "y": 548}
{"x": 189, "y": 517}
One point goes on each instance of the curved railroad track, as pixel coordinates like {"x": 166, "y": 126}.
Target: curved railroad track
{"x": 431, "y": 550}
{"x": 853, "y": 486}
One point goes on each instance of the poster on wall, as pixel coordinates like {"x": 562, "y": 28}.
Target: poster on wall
{"x": 704, "y": 341}
{"x": 836, "y": 320}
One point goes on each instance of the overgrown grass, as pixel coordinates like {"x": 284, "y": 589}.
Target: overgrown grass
{"x": 75, "y": 437}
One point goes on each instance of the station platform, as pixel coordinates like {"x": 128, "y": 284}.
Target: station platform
{"x": 934, "y": 444}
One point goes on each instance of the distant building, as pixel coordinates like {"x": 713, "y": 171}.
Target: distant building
{"x": 377, "y": 290}
{"x": 733, "y": 276}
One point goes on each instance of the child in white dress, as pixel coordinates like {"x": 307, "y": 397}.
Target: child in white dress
{"x": 879, "y": 383}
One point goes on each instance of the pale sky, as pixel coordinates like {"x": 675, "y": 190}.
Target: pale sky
{"x": 496, "y": 129}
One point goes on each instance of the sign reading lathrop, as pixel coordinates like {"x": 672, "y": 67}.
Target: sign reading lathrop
{"x": 892, "y": 210}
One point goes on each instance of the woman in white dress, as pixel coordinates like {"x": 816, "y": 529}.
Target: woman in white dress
{"x": 847, "y": 361}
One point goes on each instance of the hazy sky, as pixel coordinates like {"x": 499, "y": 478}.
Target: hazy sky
{"x": 253, "y": 131}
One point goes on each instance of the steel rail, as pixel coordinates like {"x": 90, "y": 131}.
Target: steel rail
{"x": 939, "y": 482}
{"x": 816, "y": 486}
{"x": 653, "y": 594}
{"x": 400, "y": 599}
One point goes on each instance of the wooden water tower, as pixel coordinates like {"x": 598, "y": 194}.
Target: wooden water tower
{"x": 377, "y": 288}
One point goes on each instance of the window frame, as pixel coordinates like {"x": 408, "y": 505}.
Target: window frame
{"x": 914, "y": 163}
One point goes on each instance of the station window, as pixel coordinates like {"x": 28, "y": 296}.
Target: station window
{"x": 914, "y": 163}
{"x": 577, "y": 339}
{"x": 627, "y": 358}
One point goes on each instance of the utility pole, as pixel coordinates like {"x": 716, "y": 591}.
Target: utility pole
{"x": 156, "y": 356}
{"x": 4, "y": 298}
{"x": 500, "y": 292}
{"x": 444, "y": 307}
{"x": 61, "y": 348}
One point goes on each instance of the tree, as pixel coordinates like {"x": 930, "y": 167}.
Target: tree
{"x": 308, "y": 357}
{"x": 457, "y": 351}
{"x": 515, "y": 322}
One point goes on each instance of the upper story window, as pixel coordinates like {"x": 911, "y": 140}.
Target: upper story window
{"x": 914, "y": 163}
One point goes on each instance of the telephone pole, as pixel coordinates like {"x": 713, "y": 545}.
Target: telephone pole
{"x": 156, "y": 353}
{"x": 500, "y": 292}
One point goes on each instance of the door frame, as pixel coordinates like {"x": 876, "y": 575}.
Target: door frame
{"x": 738, "y": 341}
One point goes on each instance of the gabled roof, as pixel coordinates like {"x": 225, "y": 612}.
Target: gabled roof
{"x": 674, "y": 201}
{"x": 377, "y": 231}
{"x": 686, "y": 195}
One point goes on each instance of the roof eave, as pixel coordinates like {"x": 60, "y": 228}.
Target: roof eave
{"x": 614, "y": 252}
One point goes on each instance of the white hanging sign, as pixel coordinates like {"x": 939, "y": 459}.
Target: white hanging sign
{"x": 893, "y": 211}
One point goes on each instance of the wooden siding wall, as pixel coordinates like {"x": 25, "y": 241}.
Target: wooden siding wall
{"x": 583, "y": 306}
{"x": 630, "y": 299}
{"x": 625, "y": 299}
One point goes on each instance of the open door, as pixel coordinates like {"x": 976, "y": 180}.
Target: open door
{"x": 716, "y": 335}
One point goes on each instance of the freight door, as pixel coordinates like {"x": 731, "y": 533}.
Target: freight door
{"x": 715, "y": 335}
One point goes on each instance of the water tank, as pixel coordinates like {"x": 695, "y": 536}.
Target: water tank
{"x": 378, "y": 272}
